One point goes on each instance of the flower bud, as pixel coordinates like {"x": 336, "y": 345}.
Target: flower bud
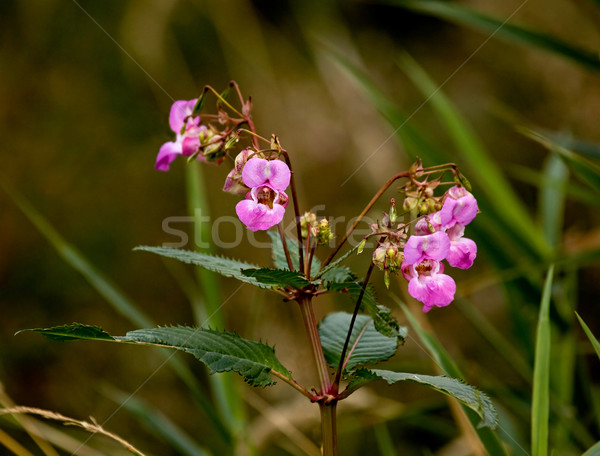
{"x": 393, "y": 214}
{"x": 307, "y": 221}
{"x": 361, "y": 246}
{"x": 324, "y": 234}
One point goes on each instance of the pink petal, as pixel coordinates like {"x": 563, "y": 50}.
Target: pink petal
{"x": 422, "y": 227}
{"x": 190, "y": 146}
{"x": 434, "y": 290}
{"x": 433, "y": 246}
{"x": 179, "y": 111}
{"x": 460, "y": 210}
{"x": 258, "y": 171}
{"x": 279, "y": 174}
{"x": 253, "y": 172}
{"x": 258, "y": 216}
{"x": 167, "y": 153}
{"x": 462, "y": 253}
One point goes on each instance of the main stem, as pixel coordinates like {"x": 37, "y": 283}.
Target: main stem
{"x": 329, "y": 428}
{"x": 310, "y": 324}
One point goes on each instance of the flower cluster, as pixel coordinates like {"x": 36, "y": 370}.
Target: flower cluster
{"x": 263, "y": 178}
{"x": 439, "y": 236}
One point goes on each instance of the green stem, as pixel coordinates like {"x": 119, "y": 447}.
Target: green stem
{"x": 329, "y": 428}
{"x": 310, "y": 324}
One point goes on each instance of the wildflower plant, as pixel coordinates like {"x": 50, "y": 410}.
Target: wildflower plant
{"x": 413, "y": 240}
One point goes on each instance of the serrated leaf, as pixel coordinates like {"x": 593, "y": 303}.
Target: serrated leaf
{"x": 278, "y": 254}
{"x": 336, "y": 275}
{"x": 366, "y": 346}
{"x": 225, "y": 266}
{"x": 76, "y": 331}
{"x": 278, "y": 277}
{"x": 466, "y": 394}
{"x": 221, "y": 351}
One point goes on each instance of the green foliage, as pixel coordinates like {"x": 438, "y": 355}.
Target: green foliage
{"x": 221, "y": 351}
{"x": 587, "y": 170}
{"x": 76, "y": 331}
{"x": 492, "y": 27}
{"x": 590, "y": 335}
{"x": 457, "y": 389}
{"x": 278, "y": 277}
{"x": 278, "y": 254}
{"x": 541, "y": 375}
{"x": 366, "y": 346}
{"x": 224, "y": 266}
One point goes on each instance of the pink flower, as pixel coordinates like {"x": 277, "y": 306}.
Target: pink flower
{"x": 263, "y": 208}
{"x": 265, "y": 204}
{"x": 459, "y": 207}
{"x": 431, "y": 246}
{"x": 428, "y": 284}
{"x": 462, "y": 250}
{"x": 185, "y": 128}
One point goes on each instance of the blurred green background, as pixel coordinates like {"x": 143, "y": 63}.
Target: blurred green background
{"x": 86, "y": 89}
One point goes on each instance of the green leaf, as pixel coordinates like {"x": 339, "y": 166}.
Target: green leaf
{"x": 465, "y": 394}
{"x": 366, "y": 346}
{"x": 502, "y": 29}
{"x": 590, "y": 335}
{"x": 224, "y": 266}
{"x": 540, "y": 407}
{"x": 221, "y": 351}
{"x": 587, "y": 170}
{"x": 279, "y": 277}
{"x": 279, "y": 258}
{"x": 335, "y": 275}
{"x": 76, "y": 331}
{"x": 593, "y": 451}
{"x": 200, "y": 103}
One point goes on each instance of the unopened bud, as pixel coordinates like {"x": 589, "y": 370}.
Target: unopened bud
{"x": 460, "y": 179}
{"x": 361, "y": 246}
{"x": 393, "y": 213}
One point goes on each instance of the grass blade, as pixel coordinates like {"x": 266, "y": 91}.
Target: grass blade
{"x": 540, "y": 409}
{"x": 589, "y": 334}
{"x": 503, "y": 30}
